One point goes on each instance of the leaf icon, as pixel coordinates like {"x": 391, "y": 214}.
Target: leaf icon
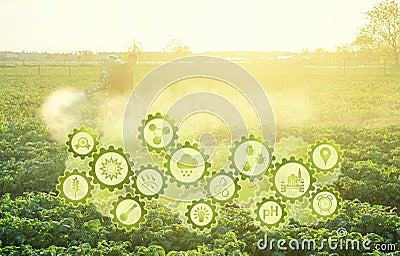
{"x": 75, "y": 185}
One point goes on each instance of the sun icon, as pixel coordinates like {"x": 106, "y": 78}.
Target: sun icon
{"x": 111, "y": 168}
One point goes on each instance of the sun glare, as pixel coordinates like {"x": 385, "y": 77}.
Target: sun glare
{"x": 256, "y": 25}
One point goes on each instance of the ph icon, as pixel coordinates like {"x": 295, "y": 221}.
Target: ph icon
{"x": 269, "y": 212}
{"x": 273, "y": 211}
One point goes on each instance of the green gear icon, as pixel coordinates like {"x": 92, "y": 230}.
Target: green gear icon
{"x": 75, "y": 187}
{"x": 193, "y": 193}
{"x": 152, "y": 135}
{"x": 103, "y": 198}
{"x": 248, "y": 192}
{"x": 325, "y": 202}
{"x": 222, "y": 187}
{"x": 149, "y": 181}
{"x": 82, "y": 142}
{"x": 128, "y": 212}
{"x": 247, "y": 161}
{"x": 111, "y": 168}
{"x": 267, "y": 212}
{"x": 290, "y": 146}
{"x": 142, "y": 157}
{"x": 301, "y": 179}
{"x": 201, "y": 214}
{"x": 184, "y": 168}
{"x": 325, "y": 155}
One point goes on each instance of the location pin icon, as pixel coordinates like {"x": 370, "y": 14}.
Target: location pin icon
{"x": 325, "y": 153}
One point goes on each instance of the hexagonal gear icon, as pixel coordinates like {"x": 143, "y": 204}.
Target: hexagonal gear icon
{"x": 325, "y": 202}
{"x": 149, "y": 181}
{"x": 201, "y": 215}
{"x": 325, "y": 155}
{"x": 75, "y": 187}
{"x": 222, "y": 187}
{"x": 82, "y": 142}
{"x": 158, "y": 132}
{"x": 129, "y": 212}
{"x": 270, "y": 212}
{"x": 292, "y": 179}
{"x": 251, "y": 157}
{"x": 187, "y": 165}
{"x": 110, "y": 168}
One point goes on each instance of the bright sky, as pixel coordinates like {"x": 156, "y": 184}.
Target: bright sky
{"x": 204, "y": 25}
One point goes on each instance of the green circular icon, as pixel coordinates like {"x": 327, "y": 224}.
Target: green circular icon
{"x": 128, "y": 212}
{"x": 325, "y": 202}
{"x": 187, "y": 165}
{"x": 75, "y": 187}
{"x": 158, "y": 132}
{"x": 201, "y": 214}
{"x": 110, "y": 168}
{"x": 82, "y": 142}
{"x": 270, "y": 212}
{"x": 325, "y": 155}
{"x": 292, "y": 179}
{"x": 149, "y": 181}
{"x": 251, "y": 157}
{"x": 222, "y": 187}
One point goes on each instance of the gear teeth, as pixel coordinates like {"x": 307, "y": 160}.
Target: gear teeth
{"x": 318, "y": 166}
{"x": 214, "y": 196}
{"x": 291, "y": 146}
{"x": 64, "y": 178}
{"x": 329, "y": 193}
{"x": 201, "y": 215}
{"x": 118, "y": 218}
{"x": 127, "y": 164}
{"x": 239, "y": 169}
{"x": 310, "y": 171}
{"x": 263, "y": 223}
{"x": 127, "y": 187}
{"x": 193, "y": 193}
{"x": 167, "y": 165}
{"x": 90, "y": 139}
{"x": 247, "y": 193}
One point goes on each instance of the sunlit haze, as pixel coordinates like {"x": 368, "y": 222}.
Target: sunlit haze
{"x": 206, "y": 25}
